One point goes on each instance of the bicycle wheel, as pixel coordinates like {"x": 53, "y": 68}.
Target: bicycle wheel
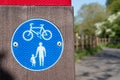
{"x": 46, "y": 35}
{"x": 27, "y": 35}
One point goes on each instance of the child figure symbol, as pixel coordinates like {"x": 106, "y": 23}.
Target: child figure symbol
{"x": 32, "y": 60}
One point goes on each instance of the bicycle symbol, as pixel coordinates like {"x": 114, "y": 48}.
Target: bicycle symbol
{"x": 39, "y": 31}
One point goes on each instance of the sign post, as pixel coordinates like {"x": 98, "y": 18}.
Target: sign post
{"x": 37, "y": 37}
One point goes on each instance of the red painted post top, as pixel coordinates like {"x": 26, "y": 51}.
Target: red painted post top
{"x": 37, "y": 2}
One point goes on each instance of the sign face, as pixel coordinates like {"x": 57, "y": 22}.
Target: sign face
{"x": 37, "y": 44}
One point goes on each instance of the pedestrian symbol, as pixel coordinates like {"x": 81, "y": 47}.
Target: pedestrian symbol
{"x": 41, "y": 53}
{"x": 33, "y": 61}
{"x": 37, "y": 44}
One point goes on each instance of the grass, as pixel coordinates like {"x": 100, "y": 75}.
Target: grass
{"x": 114, "y": 43}
{"x": 80, "y": 54}
{"x": 110, "y": 45}
{"x": 83, "y": 53}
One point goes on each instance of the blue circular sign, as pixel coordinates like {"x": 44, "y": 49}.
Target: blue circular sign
{"x": 37, "y": 44}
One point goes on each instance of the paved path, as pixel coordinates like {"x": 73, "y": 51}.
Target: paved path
{"x": 104, "y": 66}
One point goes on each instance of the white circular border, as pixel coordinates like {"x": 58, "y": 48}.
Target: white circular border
{"x": 60, "y": 53}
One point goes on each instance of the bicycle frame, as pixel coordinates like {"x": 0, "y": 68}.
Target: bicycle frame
{"x": 40, "y": 28}
{"x": 39, "y": 31}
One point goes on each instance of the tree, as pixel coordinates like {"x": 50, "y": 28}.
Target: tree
{"x": 110, "y": 27}
{"x": 109, "y": 2}
{"x": 113, "y": 6}
{"x": 88, "y": 15}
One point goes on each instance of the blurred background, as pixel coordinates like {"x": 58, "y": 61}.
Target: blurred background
{"x": 97, "y": 39}
{"x": 96, "y": 23}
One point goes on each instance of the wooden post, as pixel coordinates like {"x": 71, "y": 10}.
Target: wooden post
{"x": 77, "y": 41}
{"x": 90, "y": 41}
{"x": 86, "y": 38}
{"x": 82, "y": 41}
{"x": 12, "y": 16}
{"x": 97, "y": 41}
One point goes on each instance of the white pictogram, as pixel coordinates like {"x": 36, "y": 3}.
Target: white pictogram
{"x": 42, "y": 33}
{"x": 32, "y": 60}
{"x": 41, "y": 53}
{"x": 37, "y": 44}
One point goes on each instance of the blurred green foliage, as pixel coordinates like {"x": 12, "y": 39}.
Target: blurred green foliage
{"x": 109, "y": 25}
{"x": 87, "y": 16}
{"x": 113, "y": 6}
{"x": 83, "y": 53}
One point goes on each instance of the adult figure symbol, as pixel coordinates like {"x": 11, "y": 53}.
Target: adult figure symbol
{"x": 43, "y": 44}
{"x": 41, "y": 53}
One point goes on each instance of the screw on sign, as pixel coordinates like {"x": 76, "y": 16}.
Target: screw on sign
{"x": 37, "y": 44}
